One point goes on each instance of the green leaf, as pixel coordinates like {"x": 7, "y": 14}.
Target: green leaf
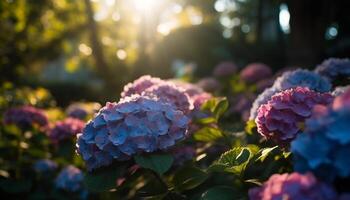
{"x": 254, "y": 181}
{"x": 15, "y": 186}
{"x": 206, "y": 120}
{"x": 233, "y": 161}
{"x": 104, "y": 179}
{"x": 188, "y": 178}
{"x": 222, "y": 193}
{"x": 265, "y": 152}
{"x": 159, "y": 163}
{"x": 220, "y": 107}
{"x": 250, "y": 126}
{"x": 207, "y": 134}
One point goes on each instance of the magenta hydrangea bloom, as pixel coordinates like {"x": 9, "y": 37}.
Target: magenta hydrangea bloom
{"x": 170, "y": 93}
{"x": 225, "y": 69}
{"x": 70, "y": 179}
{"x": 140, "y": 85}
{"x": 255, "y": 72}
{"x": 334, "y": 67}
{"x": 134, "y": 125}
{"x": 65, "y": 129}
{"x": 209, "y": 84}
{"x": 281, "y": 117}
{"x": 293, "y": 186}
{"x": 26, "y": 116}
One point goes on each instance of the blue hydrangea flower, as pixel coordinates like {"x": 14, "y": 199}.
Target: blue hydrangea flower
{"x": 263, "y": 98}
{"x": 136, "y": 124}
{"x": 302, "y": 78}
{"x": 44, "y": 165}
{"x": 333, "y": 67}
{"x": 324, "y": 146}
{"x": 70, "y": 179}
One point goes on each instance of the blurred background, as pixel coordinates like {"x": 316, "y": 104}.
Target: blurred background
{"x": 89, "y": 49}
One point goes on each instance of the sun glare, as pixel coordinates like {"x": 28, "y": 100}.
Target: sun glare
{"x": 146, "y": 5}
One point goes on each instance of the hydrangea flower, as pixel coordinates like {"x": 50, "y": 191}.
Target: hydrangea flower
{"x": 255, "y": 72}
{"x": 209, "y": 84}
{"x": 140, "y": 85}
{"x": 65, "y": 129}
{"x": 190, "y": 89}
{"x": 324, "y": 146}
{"x": 263, "y": 98}
{"x": 25, "y": 116}
{"x": 77, "y": 112}
{"x": 199, "y": 99}
{"x": 44, "y": 165}
{"x": 134, "y": 125}
{"x": 81, "y": 110}
{"x": 170, "y": 93}
{"x": 302, "y": 78}
{"x": 263, "y": 84}
{"x": 334, "y": 67}
{"x": 70, "y": 179}
{"x": 340, "y": 90}
{"x": 293, "y": 186}
{"x": 183, "y": 154}
{"x": 280, "y": 118}
{"x": 225, "y": 69}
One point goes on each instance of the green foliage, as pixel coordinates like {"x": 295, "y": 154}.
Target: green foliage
{"x": 217, "y": 106}
{"x": 188, "y": 178}
{"x": 222, "y": 193}
{"x": 207, "y": 134}
{"x": 159, "y": 163}
{"x": 265, "y": 152}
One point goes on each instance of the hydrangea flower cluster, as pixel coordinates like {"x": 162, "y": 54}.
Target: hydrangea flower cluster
{"x": 334, "y": 67}
{"x": 293, "y": 186}
{"x": 190, "y": 89}
{"x": 81, "y": 110}
{"x": 170, "y": 93}
{"x": 65, "y": 129}
{"x": 140, "y": 85}
{"x": 225, "y": 69}
{"x": 136, "y": 124}
{"x": 325, "y": 145}
{"x": 44, "y": 165}
{"x": 255, "y": 72}
{"x": 280, "y": 118}
{"x": 77, "y": 112}
{"x": 209, "y": 84}
{"x": 263, "y": 98}
{"x": 302, "y": 78}
{"x": 70, "y": 179}
{"x": 25, "y": 117}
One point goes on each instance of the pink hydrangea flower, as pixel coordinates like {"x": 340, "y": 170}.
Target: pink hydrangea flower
{"x": 140, "y": 85}
{"x": 342, "y": 100}
{"x": 255, "y": 72}
{"x": 65, "y": 129}
{"x": 226, "y": 68}
{"x": 293, "y": 186}
{"x": 280, "y": 119}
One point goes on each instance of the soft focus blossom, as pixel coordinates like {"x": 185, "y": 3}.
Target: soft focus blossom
{"x": 225, "y": 69}
{"x": 302, "y": 78}
{"x": 44, "y": 165}
{"x": 190, "y": 89}
{"x": 65, "y": 129}
{"x": 263, "y": 84}
{"x": 263, "y": 98}
{"x": 324, "y": 147}
{"x": 170, "y": 93}
{"x": 183, "y": 154}
{"x": 255, "y": 72}
{"x": 293, "y": 186}
{"x": 81, "y": 110}
{"x": 70, "y": 179}
{"x": 140, "y": 85}
{"x": 334, "y": 67}
{"x": 340, "y": 90}
{"x": 241, "y": 104}
{"x": 209, "y": 84}
{"x": 25, "y": 116}
{"x": 281, "y": 117}
{"x": 136, "y": 124}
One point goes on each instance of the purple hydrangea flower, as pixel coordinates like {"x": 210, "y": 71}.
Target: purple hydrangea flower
{"x": 209, "y": 84}
{"x": 26, "y": 116}
{"x": 170, "y": 93}
{"x": 225, "y": 69}
{"x": 280, "y": 118}
{"x": 255, "y": 72}
{"x": 190, "y": 89}
{"x": 293, "y": 186}
{"x": 140, "y": 85}
{"x": 44, "y": 165}
{"x": 136, "y": 124}
{"x": 334, "y": 67}
{"x": 70, "y": 179}
{"x": 183, "y": 154}
{"x": 302, "y": 78}
{"x": 324, "y": 146}
{"x": 263, "y": 98}
{"x": 65, "y": 129}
